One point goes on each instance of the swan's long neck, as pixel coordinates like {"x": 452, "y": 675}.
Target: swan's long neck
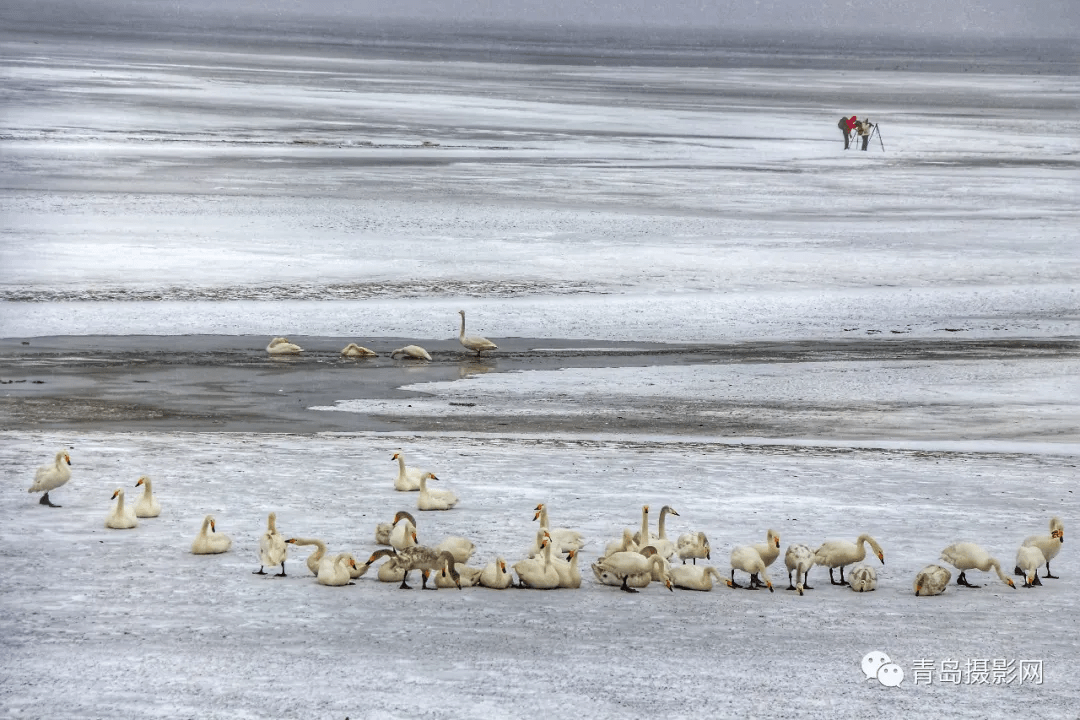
{"x": 401, "y": 466}
{"x": 860, "y": 544}
{"x": 423, "y": 484}
{"x": 547, "y": 555}
{"x": 543, "y": 518}
{"x": 271, "y": 524}
{"x": 873, "y": 544}
{"x": 644, "y": 526}
{"x": 660, "y": 533}
{"x": 205, "y": 524}
{"x": 462, "y": 335}
{"x": 120, "y": 501}
{"x": 997, "y": 568}
{"x": 147, "y": 491}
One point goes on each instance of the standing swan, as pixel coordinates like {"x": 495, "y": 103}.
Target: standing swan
{"x": 625, "y": 565}
{"x": 664, "y": 547}
{"x": 50, "y": 477}
{"x": 1049, "y": 545}
{"x": 1028, "y": 559}
{"x": 768, "y": 550}
{"x": 418, "y": 557}
{"x": 799, "y": 559}
{"x": 693, "y": 545}
{"x": 148, "y": 506}
{"x": 412, "y": 351}
{"x": 272, "y": 550}
{"x": 282, "y": 346}
{"x": 969, "y": 556}
{"x": 121, "y": 518}
{"x": 747, "y": 559}
{"x": 434, "y": 499}
{"x": 838, "y": 553}
{"x": 474, "y": 342}
{"x": 932, "y": 580}
{"x": 210, "y": 543}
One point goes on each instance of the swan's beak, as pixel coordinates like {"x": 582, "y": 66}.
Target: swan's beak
{"x": 1059, "y": 535}
{"x": 918, "y": 589}
{"x": 1011, "y": 583}
{"x": 536, "y": 516}
{"x": 291, "y": 540}
{"x": 770, "y": 585}
{"x": 352, "y": 563}
{"x": 673, "y": 511}
{"x": 395, "y": 456}
{"x": 68, "y": 459}
{"x": 645, "y": 508}
{"x": 777, "y": 541}
{"x": 114, "y": 495}
{"x": 212, "y": 527}
{"x": 669, "y": 584}
{"x": 880, "y": 555}
{"x": 708, "y": 556}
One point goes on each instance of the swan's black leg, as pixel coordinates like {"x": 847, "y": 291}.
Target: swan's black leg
{"x": 423, "y": 580}
{"x": 46, "y": 501}
{"x": 754, "y": 582}
{"x": 625, "y": 587}
{"x": 833, "y": 579}
{"x": 260, "y": 571}
{"x": 962, "y": 580}
{"x": 403, "y": 585}
{"x": 789, "y": 585}
{"x": 842, "y": 580}
{"x": 1017, "y": 570}
{"x": 1048, "y": 575}
{"x": 282, "y": 573}
{"x": 805, "y": 580}
{"x": 733, "y": 583}
{"x": 1036, "y": 581}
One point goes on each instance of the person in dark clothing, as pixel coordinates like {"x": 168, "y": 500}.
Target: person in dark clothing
{"x": 846, "y": 125}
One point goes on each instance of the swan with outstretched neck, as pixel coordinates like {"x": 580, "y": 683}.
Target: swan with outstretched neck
{"x": 474, "y": 342}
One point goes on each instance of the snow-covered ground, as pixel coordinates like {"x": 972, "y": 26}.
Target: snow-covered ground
{"x": 240, "y": 192}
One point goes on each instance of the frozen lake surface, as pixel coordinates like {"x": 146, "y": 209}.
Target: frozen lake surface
{"x": 165, "y": 186}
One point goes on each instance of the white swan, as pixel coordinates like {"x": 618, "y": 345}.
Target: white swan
{"x": 563, "y": 539}
{"x": 467, "y": 577}
{"x": 414, "y": 352}
{"x": 1028, "y": 560}
{"x": 536, "y": 573}
{"x": 1049, "y": 545}
{"x": 354, "y": 350}
{"x": 747, "y": 559}
{"x": 314, "y": 560}
{"x": 272, "y": 548}
{"x": 664, "y": 547}
{"x": 474, "y": 342}
{"x": 334, "y": 570}
{"x": 407, "y": 478}
{"x": 623, "y": 565}
{"x": 383, "y": 530}
{"x": 121, "y": 518}
{"x": 148, "y": 506}
{"x": 968, "y": 556}
{"x": 282, "y": 346}
{"x": 625, "y": 544}
{"x": 496, "y": 575}
{"x": 569, "y": 574}
{"x": 210, "y": 543}
{"x": 461, "y": 548}
{"x": 403, "y": 534}
{"x": 695, "y": 577}
{"x": 434, "y": 499}
{"x": 50, "y": 477}
{"x": 862, "y": 578}
{"x": 389, "y": 571}
{"x": 768, "y": 551}
{"x": 838, "y": 553}
{"x": 798, "y": 558}
{"x": 932, "y": 580}
{"x": 694, "y": 546}
{"x": 418, "y": 557}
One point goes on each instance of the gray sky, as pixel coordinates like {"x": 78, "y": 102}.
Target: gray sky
{"x": 980, "y": 18}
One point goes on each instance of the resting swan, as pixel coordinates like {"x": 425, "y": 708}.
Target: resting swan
{"x": 418, "y": 557}
{"x": 210, "y": 543}
{"x": 932, "y": 580}
{"x": 282, "y": 346}
{"x": 461, "y": 548}
{"x": 474, "y": 342}
{"x": 403, "y": 534}
{"x": 693, "y": 545}
{"x": 414, "y": 352}
{"x": 862, "y": 578}
{"x": 798, "y": 558}
{"x": 563, "y": 539}
{"x": 1028, "y": 559}
{"x": 384, "y": 530}
{"x": 1049, "y": 545}
{"x": 434, "y": 499}
{"x": 148, "y": 506}
{"x": 314, "y": 560}
{"x": 747, "y": 559}
{"x": 536, "y": 573}
{"x": 334, "y": 570}
{"x": 272, "y": 549}
{"x": 569, "y": 574}
{"x": 407, "y": 478}
{"x": 121, "y": 518}
{"x": 694, "y": 577}
{"x": 626, "y": 544}
{"x": 623, "y": 565}
{"x": 495, "y": 575}
{"x": 467, "y": 576}
{"x": 968, "y": 556}
{"x": 50, "y": 477}
{"x": 354, "y": 350}
{"x": 389, "y": 571}
{"x": 838, "y": 553}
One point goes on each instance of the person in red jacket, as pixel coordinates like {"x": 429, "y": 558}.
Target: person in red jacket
{"x": 847, "y": 125}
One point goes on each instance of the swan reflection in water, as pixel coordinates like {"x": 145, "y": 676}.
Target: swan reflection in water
{"x": 476, "y": 366}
